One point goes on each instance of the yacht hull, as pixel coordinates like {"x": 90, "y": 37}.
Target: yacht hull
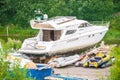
{"x": 63, "y": 46}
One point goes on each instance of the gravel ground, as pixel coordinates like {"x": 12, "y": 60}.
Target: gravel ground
{"x": 88, "y": 73}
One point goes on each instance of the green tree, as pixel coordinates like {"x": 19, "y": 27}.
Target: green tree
{"x": 116, "y": 5}
{"x": 96, "y": 9}
{"x": 20, "y": 12}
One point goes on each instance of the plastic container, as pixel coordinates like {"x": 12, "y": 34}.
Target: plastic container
{"x": 40, "y": 73}
{"x": 60, "y": 77}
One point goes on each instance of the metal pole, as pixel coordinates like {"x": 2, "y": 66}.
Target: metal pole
{"x": 7, "y": 32}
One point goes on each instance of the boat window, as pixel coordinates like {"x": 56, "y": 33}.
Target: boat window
{"x": 87, "y": 24}
{"x": 81, "y": 25}
{"x": 84, "y": 25}
{"x": 93, "y": 35}
{"x": 70, "y": 32}
{"x": 51, "y": 35}
{"x": 89, "y": 36}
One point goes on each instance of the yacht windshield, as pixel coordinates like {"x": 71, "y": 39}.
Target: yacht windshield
{"x": 84, "y": 25}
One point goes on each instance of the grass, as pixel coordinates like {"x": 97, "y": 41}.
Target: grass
{"x": 16, "y": 32}
{"x": 112, "y": 37}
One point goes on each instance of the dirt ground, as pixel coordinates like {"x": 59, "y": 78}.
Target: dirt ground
{"x": 88, "y": 73}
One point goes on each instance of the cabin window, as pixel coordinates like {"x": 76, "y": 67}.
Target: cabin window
{"x": 51, "y": 35}
{"x": 81, "y": 25}
{"x": 89, "y": 36}
{"x": 70, "y": 32}
{"x": 101, "y": 33}
{"x": 84, "y": 25}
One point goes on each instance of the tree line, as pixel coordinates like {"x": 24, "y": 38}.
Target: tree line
{"x": 19, "y": 12}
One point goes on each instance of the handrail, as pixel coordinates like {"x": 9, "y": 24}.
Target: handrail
{"x": 100, "y": 23}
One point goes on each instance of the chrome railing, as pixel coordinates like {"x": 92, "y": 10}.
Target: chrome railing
{"x": 100, "y": 23}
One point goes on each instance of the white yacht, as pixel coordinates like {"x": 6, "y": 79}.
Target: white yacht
{"x": 62, "y": 34}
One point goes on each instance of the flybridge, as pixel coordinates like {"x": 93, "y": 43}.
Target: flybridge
{"x": 59, "y": 22}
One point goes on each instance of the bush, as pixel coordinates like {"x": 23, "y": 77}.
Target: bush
{"x": 13, "y": 43}
{"x": 115, "y": 69}
{"x": 2, "y": 43}
{"x": 11, "y": 73}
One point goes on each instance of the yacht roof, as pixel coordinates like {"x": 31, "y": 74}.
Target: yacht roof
{"x": 59, "y": 22}
{"x": 62, "y": 19}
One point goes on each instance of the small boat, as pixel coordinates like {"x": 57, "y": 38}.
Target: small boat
{"x": 64, "y": 61}
{"x": 97, "y": 57}
{"x": 109, "y": 63}
{"x": 96, "y": 61}
{"x": 62, "y": 34}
